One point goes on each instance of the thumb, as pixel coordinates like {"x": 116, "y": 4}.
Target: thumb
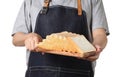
{"x": 98, "y": 48}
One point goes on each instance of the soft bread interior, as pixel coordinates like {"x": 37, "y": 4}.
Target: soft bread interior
{"x": 83, "y": 43}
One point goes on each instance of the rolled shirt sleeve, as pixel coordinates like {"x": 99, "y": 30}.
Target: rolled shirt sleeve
{"x": 22, "y": 23}
{"x": 98, "y": 16}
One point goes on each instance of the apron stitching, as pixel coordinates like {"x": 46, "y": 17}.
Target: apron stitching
{"x": 30, "y": 73}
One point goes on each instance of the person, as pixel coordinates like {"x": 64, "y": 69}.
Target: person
{"x": 38, "y": 18}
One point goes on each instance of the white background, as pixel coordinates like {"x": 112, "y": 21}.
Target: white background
{"x": 13, "y": 59}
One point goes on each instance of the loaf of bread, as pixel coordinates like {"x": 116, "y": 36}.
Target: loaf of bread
{"x": 68, "y": 44}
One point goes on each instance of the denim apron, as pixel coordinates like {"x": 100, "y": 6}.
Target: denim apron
{"x": 59, "y": 18}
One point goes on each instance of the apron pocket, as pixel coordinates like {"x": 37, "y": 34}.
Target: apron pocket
{"x": 50, "y": 71}
{"x": 74, "y": 73}
{"x": 43, "y": 71}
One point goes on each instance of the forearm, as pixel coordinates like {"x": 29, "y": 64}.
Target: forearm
{"x": 100, "y": 38}
{"x": 19, "y": 38}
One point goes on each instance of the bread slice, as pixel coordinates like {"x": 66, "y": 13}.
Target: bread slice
{"x": 68, "y": 44}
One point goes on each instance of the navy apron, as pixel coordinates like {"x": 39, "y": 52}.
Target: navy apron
{"x": 57, "y": 19}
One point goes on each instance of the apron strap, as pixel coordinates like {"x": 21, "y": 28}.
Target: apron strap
{"x": 45, "y": 6}
{"x": 47, "y": 2}
{"x": 79, "y": 7}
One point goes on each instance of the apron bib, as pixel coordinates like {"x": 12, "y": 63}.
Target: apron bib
{"x": 58, "y": 19}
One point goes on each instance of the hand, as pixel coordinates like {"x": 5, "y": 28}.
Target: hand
{"x": 96, "y": 56}
{"x": 31, "y": 41}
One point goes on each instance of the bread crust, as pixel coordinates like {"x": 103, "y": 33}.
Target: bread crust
{"x": 62, "y": 44}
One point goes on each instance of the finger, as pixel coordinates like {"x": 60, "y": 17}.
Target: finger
{"x": 93, "y": 58}
{"x": 27, "y": 44}
{"x": 32, "y": 45}
{"x": 36, "y": 45}
{"x": 34, "y": 42}
{"x": 37, "y": 49}
{"x": 98, "y": 48}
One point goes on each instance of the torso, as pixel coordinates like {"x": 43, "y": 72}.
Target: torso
{"x": 37, "y": 5}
